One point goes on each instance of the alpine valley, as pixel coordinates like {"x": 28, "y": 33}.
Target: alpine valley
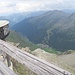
{"x": 54, "y": 28}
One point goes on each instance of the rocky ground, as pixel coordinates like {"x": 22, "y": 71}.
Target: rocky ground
{"x": 65, "y": 61}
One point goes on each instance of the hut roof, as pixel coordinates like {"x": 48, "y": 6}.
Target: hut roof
{"x": 3, "y": 23}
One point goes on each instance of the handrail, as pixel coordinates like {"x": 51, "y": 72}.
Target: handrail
{"x": 37, "y": 65}
{"x": 4, "y": 70}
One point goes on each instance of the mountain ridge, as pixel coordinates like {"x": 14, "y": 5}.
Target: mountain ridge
{"x": 54, "y": 28}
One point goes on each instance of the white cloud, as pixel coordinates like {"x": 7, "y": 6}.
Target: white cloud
{"x": 4, "y": 4}
{"x": 34, "y": 5}
{"x": 26, "y": 6}
{"x": 29, "y": 6}
{"x": 60, "y": 1}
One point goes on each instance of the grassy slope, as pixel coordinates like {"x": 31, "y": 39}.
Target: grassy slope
{"x": 50, "y": 50}
{"x": 21, "y": 69}
{"x": 24, "y": 42}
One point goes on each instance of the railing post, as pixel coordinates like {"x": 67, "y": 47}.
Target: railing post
{"x": 8, "y": 60}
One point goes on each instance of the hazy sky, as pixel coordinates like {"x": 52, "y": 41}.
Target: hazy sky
{"x": 9, "y": 6}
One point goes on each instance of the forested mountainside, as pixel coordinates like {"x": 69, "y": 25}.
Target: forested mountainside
{"x": 21, "y": 40}
{"x": 54, "y": 28}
